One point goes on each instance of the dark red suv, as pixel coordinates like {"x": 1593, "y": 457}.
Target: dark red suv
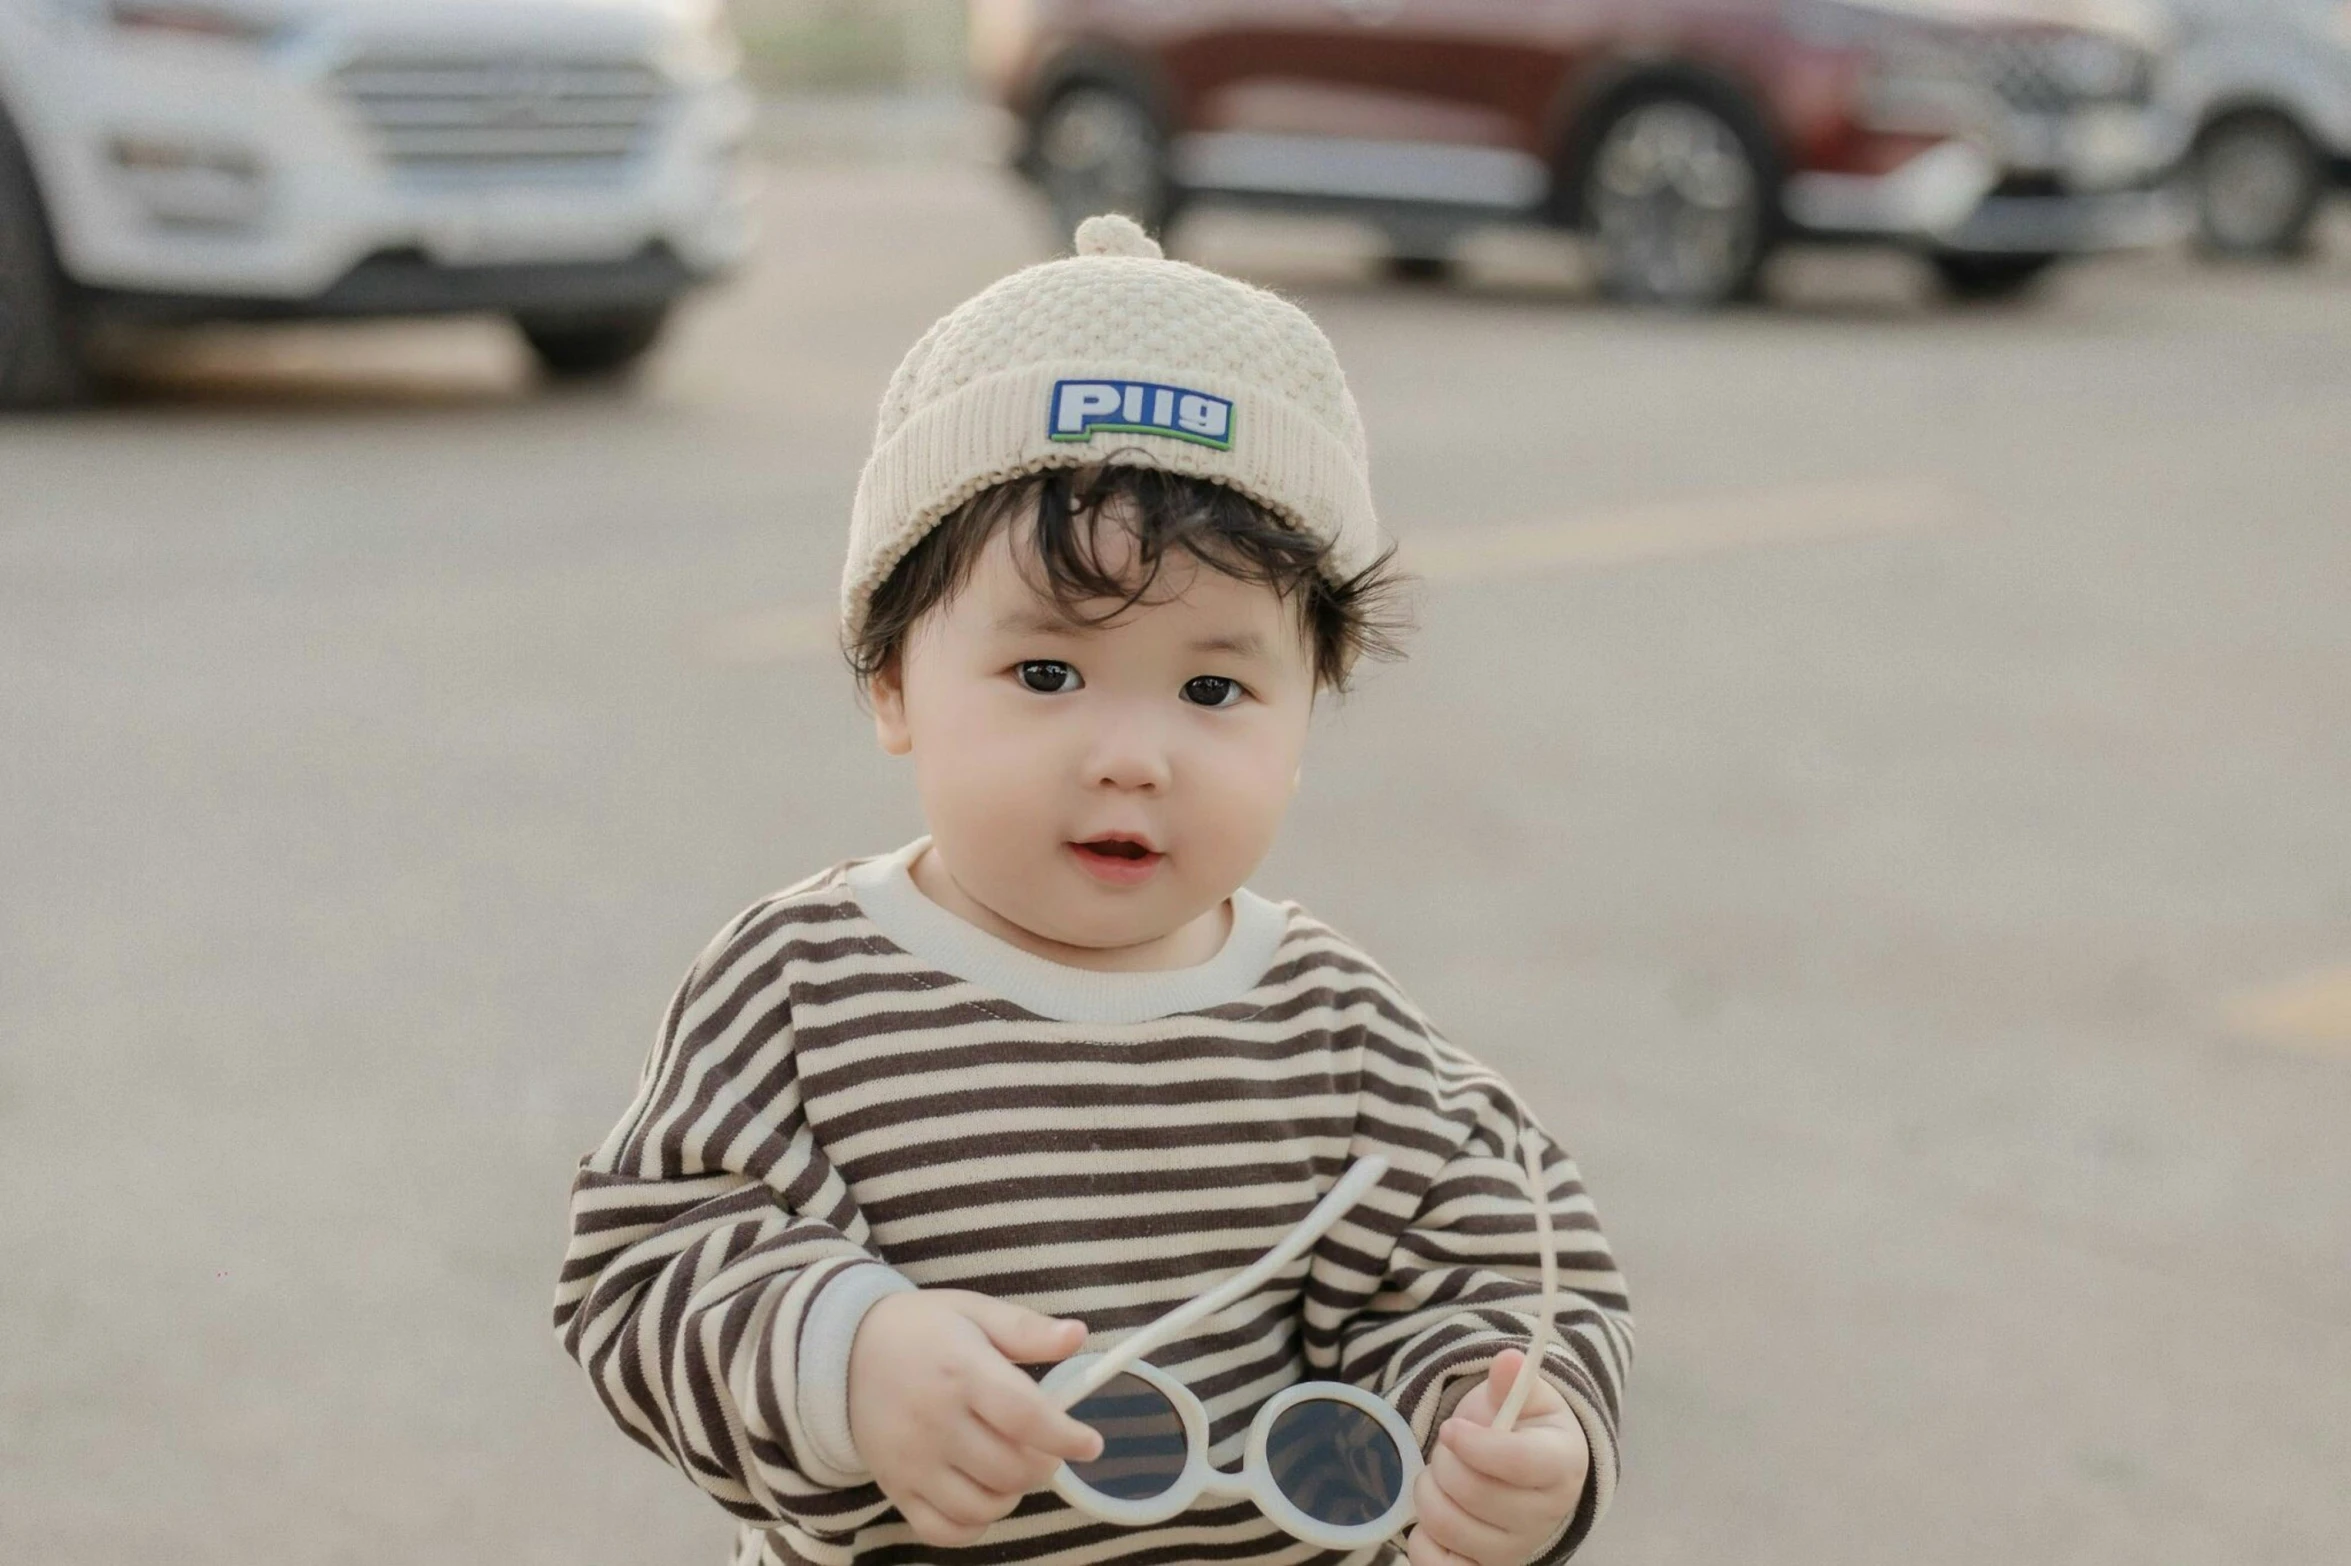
{"x": 1687, "y": 138}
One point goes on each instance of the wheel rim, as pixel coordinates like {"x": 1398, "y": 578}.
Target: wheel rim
{"x": 2254, "y": 184}
{"x": 1673, "y": 197}
{"x": 1100, "y": 153}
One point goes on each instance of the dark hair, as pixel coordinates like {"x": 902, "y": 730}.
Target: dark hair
{"x": 1216, "y": 525}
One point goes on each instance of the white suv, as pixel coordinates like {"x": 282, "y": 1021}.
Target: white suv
{"x": 576, "y": 164}
{"x": 2264, "y": 89}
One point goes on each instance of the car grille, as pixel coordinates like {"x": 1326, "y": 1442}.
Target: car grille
{"x": 437, "y": 113}
{"x": 2051, "y": 73}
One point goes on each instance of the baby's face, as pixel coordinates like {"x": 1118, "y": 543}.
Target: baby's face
{"x": 1037, "y": 744}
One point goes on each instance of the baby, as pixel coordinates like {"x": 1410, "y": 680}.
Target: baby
{"x": 1052, "y": 1070}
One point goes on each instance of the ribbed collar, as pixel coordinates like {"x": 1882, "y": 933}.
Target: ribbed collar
{"x": 885, "y": 889}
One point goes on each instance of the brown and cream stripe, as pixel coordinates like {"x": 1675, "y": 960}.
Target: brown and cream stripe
{"x": 830, "y": 1111}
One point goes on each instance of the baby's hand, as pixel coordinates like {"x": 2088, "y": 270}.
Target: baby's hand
{"x": 953, "y": 1433}
{"x": 1494, "y": 1498}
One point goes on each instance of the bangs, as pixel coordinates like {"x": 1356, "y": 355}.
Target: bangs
{"x": 1068, "y": 526}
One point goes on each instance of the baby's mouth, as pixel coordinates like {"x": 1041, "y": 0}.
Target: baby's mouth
{"x": 1117, "y": 861}
{"x": 1116, "y": 848}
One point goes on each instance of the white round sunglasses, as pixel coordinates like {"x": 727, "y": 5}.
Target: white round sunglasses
{"x": 1327, "y": 1461}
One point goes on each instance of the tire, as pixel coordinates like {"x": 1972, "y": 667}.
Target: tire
{"x": 1099, "y": 149}
{"x": 1415, "y": 267}
{"x": 42, "y": 359}
{"x": 1987, "y": 279}
{"x": 2258, "y": 181}
{"x": 1678, "y": 195}
{"x": 604, "y": 346}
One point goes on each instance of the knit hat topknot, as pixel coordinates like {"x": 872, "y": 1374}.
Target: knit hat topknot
{"x": 1115, "y": 234}
{"x": 1114, "y": 355}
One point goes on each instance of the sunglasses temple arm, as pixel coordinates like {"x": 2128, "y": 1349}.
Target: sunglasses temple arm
{"x": 1360, "y": 1177}
{"x": 1539, "y": 1193}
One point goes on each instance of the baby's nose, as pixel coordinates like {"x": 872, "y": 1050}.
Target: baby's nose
{"x": 1133, "y": 771}
{"x": 1131, "y": 756}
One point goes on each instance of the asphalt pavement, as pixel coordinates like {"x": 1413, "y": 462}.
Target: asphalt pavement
{"x": 1877, "y": 774}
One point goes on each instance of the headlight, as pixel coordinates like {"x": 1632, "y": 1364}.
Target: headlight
{"x": 220, "y": 19}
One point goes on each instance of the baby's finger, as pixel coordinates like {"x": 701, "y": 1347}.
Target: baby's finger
{"x": 1522, "y": 1459}
{"x": 997, "y": 1463}
{"x": 1454, "y": 1528}
{"x": 1020, "y": 1412}
{"x": 1488, "y": 1500}
{"x": 1025, "y": 1336}
{"x": 1483, "y": 1401}
{"x": 1422, "y": 1549}
{"x": 1542, "y": 1397}
{"x": 960, "y": 1498}
{"x": 1478, "y": 1405}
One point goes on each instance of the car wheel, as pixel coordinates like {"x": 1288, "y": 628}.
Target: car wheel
{"x": 42, "y": 363}
{"x": 1989, "y": 278}
{"x": 1413, "y": 267}
{"x": 588, "y": 347}
{"x": 2257, "y": 182}
{"x": 1099, "y": 150}
{"x": 1678, "y": 203}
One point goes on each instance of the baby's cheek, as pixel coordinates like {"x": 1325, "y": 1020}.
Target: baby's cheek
{"x": 1240, "y": 817}
{"x": 1256, "y": 780}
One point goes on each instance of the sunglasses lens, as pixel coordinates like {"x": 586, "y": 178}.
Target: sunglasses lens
{"x": 1335, "y": 1462}
{"x": 1143, "y": 1441}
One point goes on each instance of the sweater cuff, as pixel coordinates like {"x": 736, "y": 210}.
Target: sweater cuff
{"x": 827, "y": 1333}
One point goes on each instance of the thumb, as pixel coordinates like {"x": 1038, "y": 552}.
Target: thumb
{"x": 1499, "y": 1376}
{"x": 1024, "y": 1336}
{"x": 1543, "y": 1398}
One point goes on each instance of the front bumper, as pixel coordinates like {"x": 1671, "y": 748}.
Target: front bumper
{"x": 182, "y": 171}
{"x": 396, "y": 283}
{"x": 2043, "y": 184}
{"x": 2063, "y": 224}
{"x": 1951, "y": 198}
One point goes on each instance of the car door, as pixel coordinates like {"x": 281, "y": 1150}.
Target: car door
{"x": 1408, "y": 101}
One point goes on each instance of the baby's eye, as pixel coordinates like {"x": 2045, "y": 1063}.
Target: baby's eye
{"x": 1212, "y": 690}
{"x": 1047, "y": 677}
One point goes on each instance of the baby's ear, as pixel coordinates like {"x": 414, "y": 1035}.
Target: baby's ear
{"x": 888, "y": 695}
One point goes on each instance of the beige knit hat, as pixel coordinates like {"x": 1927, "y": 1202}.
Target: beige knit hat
{"x": 1115, "y": 354}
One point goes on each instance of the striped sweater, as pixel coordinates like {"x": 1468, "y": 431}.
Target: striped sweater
{"x": 854, "y": 1091}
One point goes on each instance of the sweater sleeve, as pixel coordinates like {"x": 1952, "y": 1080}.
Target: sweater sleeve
{"x": 1463, "y": 1280}
{"x": 718, "y": 1266}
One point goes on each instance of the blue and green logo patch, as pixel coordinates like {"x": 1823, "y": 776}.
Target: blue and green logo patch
{"x": 1082, "y": 408}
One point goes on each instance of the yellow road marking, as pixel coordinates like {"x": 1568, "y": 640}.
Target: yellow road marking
{"x": 1653, "y": 530}
{"x": 2312, "y": 1012}
{"x": 1699, "y": 525}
